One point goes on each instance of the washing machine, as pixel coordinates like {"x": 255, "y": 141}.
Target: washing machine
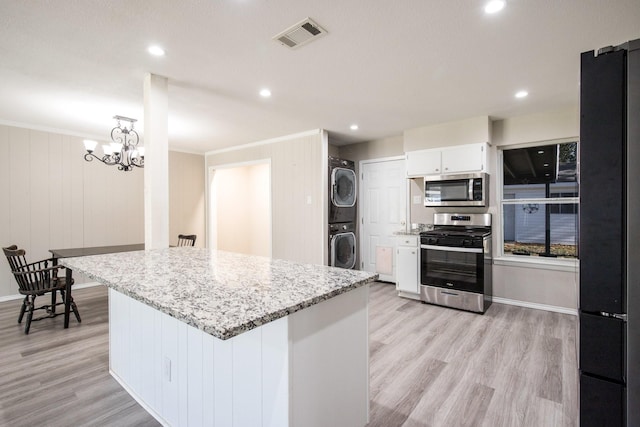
{"x": 342, "y": 245}
{"x": 342, "y": 191}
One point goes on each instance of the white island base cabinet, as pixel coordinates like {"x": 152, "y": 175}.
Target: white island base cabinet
{"x": 308, "y": 369}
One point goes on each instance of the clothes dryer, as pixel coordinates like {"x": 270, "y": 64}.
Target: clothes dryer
{"x": 342, "y": 191}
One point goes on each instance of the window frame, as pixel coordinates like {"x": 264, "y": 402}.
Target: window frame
{"x": 550, "y": 263}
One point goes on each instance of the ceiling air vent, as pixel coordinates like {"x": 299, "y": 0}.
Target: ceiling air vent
{"x": 301, "y": 33}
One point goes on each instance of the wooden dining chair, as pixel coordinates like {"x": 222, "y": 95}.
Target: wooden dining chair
{"x": 36, "y": 279}
{"x": 186, "y": 239}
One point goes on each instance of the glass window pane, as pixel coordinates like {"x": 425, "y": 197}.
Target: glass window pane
{"x": 526, "y": 225}
{"x": 536, "y": 172}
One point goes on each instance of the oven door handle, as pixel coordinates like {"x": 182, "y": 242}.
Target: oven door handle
{"x": 451, "y": 249}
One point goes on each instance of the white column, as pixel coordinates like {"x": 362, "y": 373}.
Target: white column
{"x": 156, "y": 168}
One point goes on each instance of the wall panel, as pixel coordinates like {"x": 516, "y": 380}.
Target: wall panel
{"x": 298, "y": 176}
{"x": 19, "y": 202}
{"x": 460, "y": 132}
{"x": 186, "y": 196}
{"x": 53, "y": 198}
{"x": 58, "y": 227}
{"x": 6, "y": 287}
{"x": 39, "y": 195}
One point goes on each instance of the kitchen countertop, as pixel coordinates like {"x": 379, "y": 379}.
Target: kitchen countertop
{"x": 407, "y": 233}
{"x": 415, "y": 230}
{"x": 220, "y": 293}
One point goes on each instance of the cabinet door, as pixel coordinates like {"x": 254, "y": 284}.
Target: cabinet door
{"x": 423, "y": 162}
{"x": 466, "y": 158}
{"x": 407, "y": 269}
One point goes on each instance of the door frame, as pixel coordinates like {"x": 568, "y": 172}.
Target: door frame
{"x": 210, "y": 199}
{"x": 361, "y": 226}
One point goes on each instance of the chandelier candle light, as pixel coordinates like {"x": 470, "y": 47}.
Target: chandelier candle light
{"x": 123, "y": 151}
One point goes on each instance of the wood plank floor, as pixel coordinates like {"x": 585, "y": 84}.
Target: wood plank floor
{"x": 433, "y": 366}
{"x": 430, "y": 367}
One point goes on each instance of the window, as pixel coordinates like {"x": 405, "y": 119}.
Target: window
{"x": 564, "y": 209}
{"x": 540, "y": 201}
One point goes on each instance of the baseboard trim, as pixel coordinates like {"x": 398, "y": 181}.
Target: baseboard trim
{"x": 11, "y": 297}
{"x": 86, "y": 285}
{"x": 138, "y": 399}
{"x": 536, "y": 306}
{"x": 409, "y": 295}
{"x": 18, "y": 296}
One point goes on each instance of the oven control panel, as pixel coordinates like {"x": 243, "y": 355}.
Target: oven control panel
{"x": 452, "y": 241}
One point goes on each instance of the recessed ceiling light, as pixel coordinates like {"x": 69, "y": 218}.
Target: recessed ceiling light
{"x": 546, "y": 165}
{"x": 494, "y": 6}
{"x": 265, "y": 93}
{"x": 540, "y": 151}
{"x": 522, "y": 94}
{"x": 156, "y": 50}
{"x": 353, "y": 127}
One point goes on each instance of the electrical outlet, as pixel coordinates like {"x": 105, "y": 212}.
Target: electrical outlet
{"x": 167, "y": 369}
{"x": 417, "y": 200}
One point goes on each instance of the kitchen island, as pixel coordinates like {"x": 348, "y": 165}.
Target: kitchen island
{"x": 214, "y": 338}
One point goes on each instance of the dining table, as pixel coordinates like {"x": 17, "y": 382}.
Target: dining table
{"x": 81, "y": 252}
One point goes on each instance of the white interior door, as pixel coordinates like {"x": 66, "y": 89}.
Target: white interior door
{"x": 383, "y": 212}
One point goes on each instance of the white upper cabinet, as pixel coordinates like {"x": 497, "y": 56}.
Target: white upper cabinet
{"x": 465, "y": 158}
{"x": 424, "y": 162}
{"x": 447, "y": 160}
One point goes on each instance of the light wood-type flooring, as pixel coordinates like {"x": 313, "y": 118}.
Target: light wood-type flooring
{"x": 430, "y": 366}
{"x": 433, "y": 366}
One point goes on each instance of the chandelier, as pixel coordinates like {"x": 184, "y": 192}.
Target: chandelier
{"x": 123, "y": 151}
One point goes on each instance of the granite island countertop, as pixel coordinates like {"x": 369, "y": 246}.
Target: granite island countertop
{"x": 220, "y": 293}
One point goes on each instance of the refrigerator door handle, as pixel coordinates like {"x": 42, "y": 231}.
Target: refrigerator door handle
{"x": 618, "y": 316}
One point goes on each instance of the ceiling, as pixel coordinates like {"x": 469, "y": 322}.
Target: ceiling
{"x": 71, "y": 65}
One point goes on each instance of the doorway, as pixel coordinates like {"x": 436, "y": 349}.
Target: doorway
{"x": 240, "y": 208}
{"x": 383, "y": 196}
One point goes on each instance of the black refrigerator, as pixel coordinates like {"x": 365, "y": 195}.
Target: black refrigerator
{"x": 609, "y": 339}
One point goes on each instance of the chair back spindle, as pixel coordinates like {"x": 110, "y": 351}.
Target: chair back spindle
{"x": 187, "y": 240}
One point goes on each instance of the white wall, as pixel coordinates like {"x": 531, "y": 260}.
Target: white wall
{"x": 298, "y": 191}
{"x": 460, "y": 132}
{"x": 186, "y": 196}
{"x": 536, "y": 127}
{"x": 53, "y": 199}
{"x": 376, "y": 149}
{"x": 520, "y": 283}
{"x": 525, "y": 282}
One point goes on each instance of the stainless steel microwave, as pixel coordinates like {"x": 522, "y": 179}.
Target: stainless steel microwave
{"x": 456, "y": 190}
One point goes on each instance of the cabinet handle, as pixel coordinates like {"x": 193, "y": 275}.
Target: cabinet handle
{"x": 413, "y": 252}
{"x": 437, "y": 169}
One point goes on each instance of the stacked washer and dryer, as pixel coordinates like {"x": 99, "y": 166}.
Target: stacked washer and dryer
{"x": 342, "y": 213}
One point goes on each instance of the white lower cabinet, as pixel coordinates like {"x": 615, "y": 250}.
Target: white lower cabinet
{"x": 407, "y": 264}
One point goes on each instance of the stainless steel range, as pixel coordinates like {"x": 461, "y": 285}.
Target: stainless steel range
{"x": 455, "y": 262}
